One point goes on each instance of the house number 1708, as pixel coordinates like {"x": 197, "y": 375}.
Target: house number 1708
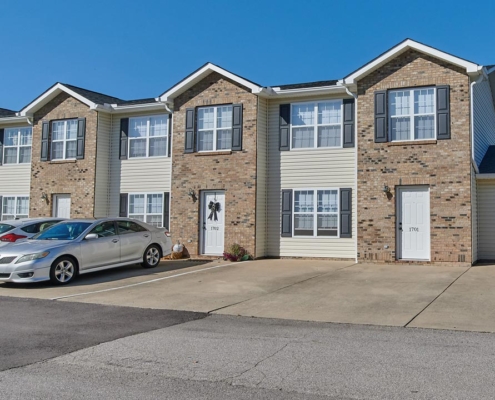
{"x": 215, "y": 228}
{"x": 413, "y": 229}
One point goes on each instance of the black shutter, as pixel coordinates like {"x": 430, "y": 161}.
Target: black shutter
{"x": 348, "y": 136}
{"x": 443, "y": 112}
{"x": 381, "y": 117}
{"x": 2, "y": 131}
{"x": 169, "y": 147}
{"x": 345, "y": 213}
{"x": 237, "y": 127}
{"x": 190, "y": 139}
{"x": 81, "y": 134}
{"x": 45, "y": 142}
{"x": 124, "y": 198}
{"x": 1, "y": 207}
{"x": 124, "y": 134}
{"x": 286, "y": 228}
{"x": 166, "y": 210}
{"x": 284, "y": 127}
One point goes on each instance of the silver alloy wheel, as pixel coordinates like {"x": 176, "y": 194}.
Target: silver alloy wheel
{"x": 64, "y": 271}
{"x": 152, "y": 256}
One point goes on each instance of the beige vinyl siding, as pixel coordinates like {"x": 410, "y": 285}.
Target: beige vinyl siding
{"x": 484, "y": 120}
{"x": 261, "y": 177}
{"x": 140, "y": 175}
{"x": 308, "y": 169}
{"x": 486, "y": 219}
{"x": 103, "y": 143}
{"x": 474, "y": 217}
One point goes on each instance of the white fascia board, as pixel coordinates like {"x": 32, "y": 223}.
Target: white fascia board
{"x": 14, "y": 120}
{"x": 139, "y": 107}
{"x": 50, "y": 95}
{"x": 314, "y": 91}
{"x": 485, "y": 176}
{"x": 471, "y": 68}
{"x": 181, "y": 87}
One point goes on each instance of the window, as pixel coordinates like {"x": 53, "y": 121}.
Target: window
{"x": 147, "y": 208}
{"x": 316, "y": 212}
{"x": 38, "y": 227}
{"x": 215, "y": 128}
{"x": 316, "y": 125}
{"x": 412, "y": 114}
{"x": 148, "y": 136}
{"x": 129, "y": 227}
{"x": 104, "y": 229}
{"x": 17, "y": 145}
{"x": 15, "y": 207}
{"x": 64, "y": 139}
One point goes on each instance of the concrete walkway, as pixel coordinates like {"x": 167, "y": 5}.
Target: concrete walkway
{"x": 311, "y": 290}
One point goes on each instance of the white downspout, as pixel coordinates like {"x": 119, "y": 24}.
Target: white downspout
{"x": 356, "y": 160}
{"x": 473, "y": 161}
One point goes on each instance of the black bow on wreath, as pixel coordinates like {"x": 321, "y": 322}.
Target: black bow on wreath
{"x": 214, "y": 208}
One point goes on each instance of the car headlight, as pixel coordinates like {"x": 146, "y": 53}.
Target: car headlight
{"x": 31, "y": 257}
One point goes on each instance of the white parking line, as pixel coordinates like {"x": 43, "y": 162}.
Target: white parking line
{"x": 145, "y": 282}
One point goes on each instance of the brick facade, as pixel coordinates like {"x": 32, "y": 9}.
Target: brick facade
{"x": 444, "y": 166}
{"x": 234, "y": 172}
{"x": 76, "y": 178}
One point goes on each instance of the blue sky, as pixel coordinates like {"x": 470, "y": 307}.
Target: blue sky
{"x": 134, "y": 49}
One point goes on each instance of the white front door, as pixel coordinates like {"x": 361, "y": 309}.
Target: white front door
{"x": 413, "y": 227}
{"x": 213, "y": 222}
{"x": 61, "y": 205}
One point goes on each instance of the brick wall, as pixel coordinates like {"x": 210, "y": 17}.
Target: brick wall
{"x": 76, "y": 178}
{"x": 233, "y": 172}
{"x": 444, "y": 166}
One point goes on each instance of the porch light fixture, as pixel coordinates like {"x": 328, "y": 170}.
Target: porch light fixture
{"x": 386, "y": 189}
{"x": 192, "y": 195}
{"x": 44, "y": 197}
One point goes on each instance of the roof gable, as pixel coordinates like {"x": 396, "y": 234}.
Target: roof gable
{"x": 202, "y": 72}
{"x": 470, "y": 67}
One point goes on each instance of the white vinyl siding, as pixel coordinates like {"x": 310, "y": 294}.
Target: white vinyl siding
{"x": 261, "y": 181}
{"x": 486, "y": 219}
{"x": 102, "y": 176}
{"x": 317, "y": 168}
{"x": 15, "y": 179}
{"x": 484, "y": 120}
{"x": 474, "y": 217}
{"x": 135, "y": 175}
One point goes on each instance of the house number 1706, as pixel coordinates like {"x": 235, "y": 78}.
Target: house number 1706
{"x": 413, "y": 229}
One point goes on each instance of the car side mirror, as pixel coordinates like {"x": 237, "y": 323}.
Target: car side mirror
{"x": 91, "y": 236}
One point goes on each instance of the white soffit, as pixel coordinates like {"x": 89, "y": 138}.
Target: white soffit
{"x": 471, "y": 68}
{"x": 49, "y": 95}
{"x": 200, "y": 74}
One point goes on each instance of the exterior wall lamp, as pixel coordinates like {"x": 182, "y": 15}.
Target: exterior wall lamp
{"x": 44, "y": 197}
{"x": 386, "y": 189}
{"x": 192, "y": 195}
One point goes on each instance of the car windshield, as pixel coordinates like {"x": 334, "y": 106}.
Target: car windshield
{"x": 63, "y": 231}
{"x": 5, "y": 228}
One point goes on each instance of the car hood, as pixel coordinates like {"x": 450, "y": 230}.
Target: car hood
{"x": 33, "y": 246}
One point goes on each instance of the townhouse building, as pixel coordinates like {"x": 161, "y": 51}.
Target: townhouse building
{"x": 393, "y": 163}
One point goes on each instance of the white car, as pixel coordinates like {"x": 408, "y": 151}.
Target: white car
{"x": 79, "y": 246}
{"x": 14, "y": 230}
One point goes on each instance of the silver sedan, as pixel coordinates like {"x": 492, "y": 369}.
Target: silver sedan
{"x": 75, "y": 247}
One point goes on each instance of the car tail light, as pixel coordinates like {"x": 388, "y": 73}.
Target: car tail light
{"x": 11, "y": 237}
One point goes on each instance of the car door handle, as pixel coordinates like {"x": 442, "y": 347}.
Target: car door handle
{"x": 146, "y": 235}
{"x": 115, "y": 240}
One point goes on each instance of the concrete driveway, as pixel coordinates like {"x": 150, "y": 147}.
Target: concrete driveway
{"x": 312, "y": 290}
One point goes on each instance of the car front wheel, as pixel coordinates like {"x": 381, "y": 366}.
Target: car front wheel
{"x": 63, "y": 271}
{"x": 151, "y": 256}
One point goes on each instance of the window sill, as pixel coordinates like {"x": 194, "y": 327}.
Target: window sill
{"x": 213, "y": 153}
{"x": 412, "y": 142}
{"x": 62, "y": 161}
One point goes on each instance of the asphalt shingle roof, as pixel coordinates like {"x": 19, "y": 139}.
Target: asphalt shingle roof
{"x": 487, "y": 165}
{"x": 306, "y": 85}
{"x": 95, "y": 97}
{"x": 6, "y": 113}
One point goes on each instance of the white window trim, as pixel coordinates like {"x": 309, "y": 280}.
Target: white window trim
{"x": 315, "y": 125}
{"x": 4, "y": 196}
{"x": 411, "y": 114}
{"x": 315, "y": 213}
{"x": 145, "y": 213}
{"x": 148, "y": 137}
{"x": 5, "y": 147}
{"x": 214, "y": 129}
{"x": 64, "y": 140}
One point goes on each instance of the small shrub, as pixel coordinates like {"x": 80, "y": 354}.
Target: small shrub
{"x": 236, "y": 253}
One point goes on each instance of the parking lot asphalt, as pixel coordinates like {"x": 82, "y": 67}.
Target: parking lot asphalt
{"x": 440, "y": 297}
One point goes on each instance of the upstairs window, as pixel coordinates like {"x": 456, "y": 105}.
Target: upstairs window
{"x": 17, "y": 144}
{"x": 412, "y": 114}
{"x": 315, "y": 125}
{"x": 64, "y": 139}
{"x": 148, "y": 136}
{"x": 215, "y": 128}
